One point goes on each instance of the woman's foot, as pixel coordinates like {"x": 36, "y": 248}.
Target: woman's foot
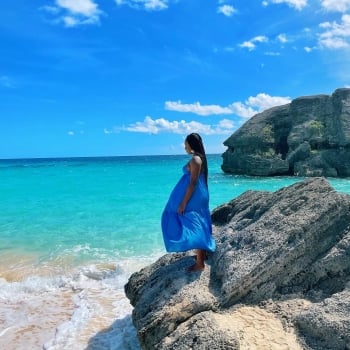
{"x": 199, "y": 265}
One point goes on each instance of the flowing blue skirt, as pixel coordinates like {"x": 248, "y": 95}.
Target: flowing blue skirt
{"x": 192, "y": 229}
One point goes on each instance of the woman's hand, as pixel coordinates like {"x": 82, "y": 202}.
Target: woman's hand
{"x": 181, "y": 209}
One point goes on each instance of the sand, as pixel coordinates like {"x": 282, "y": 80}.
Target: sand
{"x": 258, "y": 329}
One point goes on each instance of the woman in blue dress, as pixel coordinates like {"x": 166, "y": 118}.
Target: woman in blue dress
{"x": 186, "y": 221}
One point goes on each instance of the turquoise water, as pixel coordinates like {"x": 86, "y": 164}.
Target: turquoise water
{"x": 85, "y": 224}
{"x": 102, "y": 207}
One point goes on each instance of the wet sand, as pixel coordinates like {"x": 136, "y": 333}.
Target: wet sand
{"x": 78, "y": 313}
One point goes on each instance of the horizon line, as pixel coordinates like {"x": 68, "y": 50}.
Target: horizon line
{"x": 115, "y": 156}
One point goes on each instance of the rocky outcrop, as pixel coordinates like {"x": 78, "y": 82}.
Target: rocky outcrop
{"x": 280, "y": 276}
{"x": 308, "y": 137}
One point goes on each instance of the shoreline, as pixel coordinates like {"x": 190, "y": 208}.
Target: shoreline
{"x": 42, "y": 308}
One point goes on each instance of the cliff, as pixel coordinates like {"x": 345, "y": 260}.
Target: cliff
{"x": 308, "y": 137}
{"x": 280, "y": 277}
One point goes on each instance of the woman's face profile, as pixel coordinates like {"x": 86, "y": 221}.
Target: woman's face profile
{"x": 187, "y": 147}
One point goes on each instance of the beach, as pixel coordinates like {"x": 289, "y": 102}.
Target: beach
{"x": 72, "y": 231}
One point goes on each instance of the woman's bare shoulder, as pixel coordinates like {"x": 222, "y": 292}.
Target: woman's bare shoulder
{"x": 196, "y": 159}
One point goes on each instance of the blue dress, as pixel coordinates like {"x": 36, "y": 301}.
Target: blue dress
{"x": 192, "y": 229}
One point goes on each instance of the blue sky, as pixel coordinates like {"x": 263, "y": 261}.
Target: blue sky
{"x": 134, "y": 77}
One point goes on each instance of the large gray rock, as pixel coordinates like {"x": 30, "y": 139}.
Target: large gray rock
{"x": 295, "y": 242}
{"x": 285, "y": 253}
{"x": 308, "y": 137}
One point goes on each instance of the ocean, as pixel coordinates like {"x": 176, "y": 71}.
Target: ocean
{"x": 73, "y": 230}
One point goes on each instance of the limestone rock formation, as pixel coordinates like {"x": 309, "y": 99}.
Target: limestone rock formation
{"x": 308, "y": 137}
{"x": 280, "y": 277}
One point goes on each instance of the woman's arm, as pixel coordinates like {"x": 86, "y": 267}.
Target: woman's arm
{"x": 195, "y": 170}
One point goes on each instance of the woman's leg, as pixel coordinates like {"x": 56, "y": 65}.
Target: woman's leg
{"x": 199, "y": 265}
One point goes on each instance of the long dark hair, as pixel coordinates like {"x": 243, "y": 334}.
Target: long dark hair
{"x": 195, "y": 142}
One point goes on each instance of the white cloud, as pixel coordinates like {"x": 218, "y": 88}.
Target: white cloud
{"x": 71, "y": 133}
{"x": 297, "y": 4}
{"x": 335, "y": 36}
{"x": 257, "y": 104}
{"x": 245, "y": 109}
{"x": 227, "y": 10}
{"x": 336, "y": 5}
{"x": 156, "y": 5}
{"x": 74, "y": 12}
{"x": 250, "y": 44}
{"x": 282, "y": 38}
{"x": 150, "y": 5}
{"x": 334, "y": 43}
{"x": 196, "y": 108}
{"x": 226, "y": 124}
{"x": 70, "y": 21}
{"x": 308, "y": 49}
{"x": 242, "y": 110}
{"x": 80, "y": 7}
{"x": 161, "y": 125}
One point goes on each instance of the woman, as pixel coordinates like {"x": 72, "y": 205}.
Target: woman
{"x": 186, "y": 221}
